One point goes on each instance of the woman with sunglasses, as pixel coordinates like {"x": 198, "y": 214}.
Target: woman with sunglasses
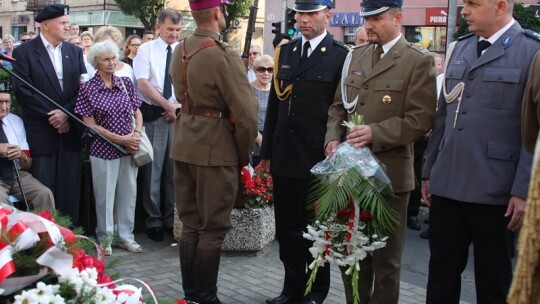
{"x": 264, "y": 68}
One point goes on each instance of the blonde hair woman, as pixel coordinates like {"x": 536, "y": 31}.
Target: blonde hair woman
{"x": 111, "y": 33}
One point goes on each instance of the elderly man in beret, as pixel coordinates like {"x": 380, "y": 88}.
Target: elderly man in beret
{"x": 55, "y": 68}
{"x": 14, "y": 151}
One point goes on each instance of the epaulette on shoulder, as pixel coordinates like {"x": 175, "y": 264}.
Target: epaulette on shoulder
{"x": 343, "y": 45}
{"x": 418, "y": 48}
{"x": 292, "y": 41}
{"x": 469, "y": 35}
{"x": 360, "y": 46}
{"x": 532, "y": 34}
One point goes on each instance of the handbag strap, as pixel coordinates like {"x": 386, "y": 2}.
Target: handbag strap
{"x": 133, "y": 120}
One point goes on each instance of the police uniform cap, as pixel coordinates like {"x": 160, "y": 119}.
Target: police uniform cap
{"x": 204, "y": 4}
{"x": 377, "y": 7}
{"x": 308, "y": 6}
{"x": 52, "y": 11}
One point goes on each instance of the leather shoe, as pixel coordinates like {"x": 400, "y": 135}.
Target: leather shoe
{"x": 412, "y": 222}
{"x": 155, "y": 234}
{"x": 425, "y": 234}
{"x": 283, "y": 299}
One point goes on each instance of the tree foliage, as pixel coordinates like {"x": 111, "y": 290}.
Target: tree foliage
{"x": 146, "y": 10}
{"x": 239, "y": 9}
{"x": 525, "y": 16}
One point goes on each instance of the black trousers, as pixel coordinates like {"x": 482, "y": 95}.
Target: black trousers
{"x": 292, "y": 217}
{"x": 61, "y": 173}
{"x": 413, "y": 208}
{"x": 454, "y": 225}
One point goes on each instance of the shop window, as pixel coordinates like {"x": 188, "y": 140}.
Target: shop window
{"x": 432, "y": 38}
{"x": 17, "y": 30}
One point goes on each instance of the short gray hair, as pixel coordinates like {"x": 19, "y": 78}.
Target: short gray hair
{"x": 99, "y": 49}
{"x": 171, "y": 14}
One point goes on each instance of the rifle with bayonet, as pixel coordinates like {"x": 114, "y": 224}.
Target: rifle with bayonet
{"x": 250, "y": 30}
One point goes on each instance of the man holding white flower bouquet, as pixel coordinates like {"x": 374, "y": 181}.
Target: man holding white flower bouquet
{"x": 392, "y": 84}
{"x": 307, "y": 73}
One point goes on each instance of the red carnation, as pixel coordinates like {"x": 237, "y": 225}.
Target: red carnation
{"x": 365, "y": 216}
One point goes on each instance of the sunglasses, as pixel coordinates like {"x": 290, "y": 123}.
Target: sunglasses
{"x": 263, "y": 69}
{"x": 24, "y": 40}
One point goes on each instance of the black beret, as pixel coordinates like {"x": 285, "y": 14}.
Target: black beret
{"x": 52, "y": 11}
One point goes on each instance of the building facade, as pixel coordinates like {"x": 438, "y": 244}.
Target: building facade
{"x": 424, "y": 21}
{"x": 17, "y": 16}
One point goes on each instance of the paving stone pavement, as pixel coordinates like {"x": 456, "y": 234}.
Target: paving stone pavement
{"x": 243, "y": 278}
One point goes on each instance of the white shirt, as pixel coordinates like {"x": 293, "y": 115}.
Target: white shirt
{"x": 55, "y": 53}
{"x": 251, "y": 75}
{"x": 14, "y": 128}
{"x": 150, "y": 64}
{"x": 498, "y": 34}
{"x": 313, "y": 43}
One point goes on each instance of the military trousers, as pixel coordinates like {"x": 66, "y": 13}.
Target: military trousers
{"x": 205, "y": 197}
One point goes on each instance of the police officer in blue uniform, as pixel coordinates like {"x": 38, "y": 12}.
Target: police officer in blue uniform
{"x": 476, "y": 174}
{"x": 308, "y": 72}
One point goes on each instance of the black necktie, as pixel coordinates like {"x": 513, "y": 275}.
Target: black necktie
{"x": 482, "y": 45}
{"x": 305, "y": 51}
{"x": 6, "y": 166}
{"x": 167, "y": 90}
{"x": 377, "y": 54}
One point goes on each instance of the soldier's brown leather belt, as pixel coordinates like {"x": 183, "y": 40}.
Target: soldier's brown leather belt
{"x": 205, "y": 111}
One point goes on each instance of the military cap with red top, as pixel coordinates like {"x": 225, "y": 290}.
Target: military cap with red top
{"x": 308, "y": 6}
{"x": 204, "y": 4}
{"x": 377, "y": 7}
{"x": 52, "y": 11}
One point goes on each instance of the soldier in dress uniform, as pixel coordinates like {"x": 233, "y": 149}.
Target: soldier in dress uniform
{"x": 477, "y": 172}
{"x": 213, "y": 138}
{"x": 307, "y": 72}
{"x": 395, "y": 87}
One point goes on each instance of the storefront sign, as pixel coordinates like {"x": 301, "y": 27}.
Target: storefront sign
{"x": 436, "y": 15}
{"x": 20, "y": 19}
{"x": 346, "y": 19}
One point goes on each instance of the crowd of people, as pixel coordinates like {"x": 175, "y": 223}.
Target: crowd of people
{"x": 449, "y": 135}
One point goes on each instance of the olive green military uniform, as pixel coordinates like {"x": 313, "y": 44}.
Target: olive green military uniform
{"x": 208, "y": 152}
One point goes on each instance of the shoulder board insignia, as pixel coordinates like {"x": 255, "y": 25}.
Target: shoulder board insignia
{"x": 469, "y": 35}
{"x": 292, "y": 41}
{"x": 419, "y": 48}
{"x": 341, "y": 44}
{"x": 530, "y": 33}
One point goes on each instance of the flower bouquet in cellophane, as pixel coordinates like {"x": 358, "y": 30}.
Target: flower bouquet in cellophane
{"x": 352, "y": 215}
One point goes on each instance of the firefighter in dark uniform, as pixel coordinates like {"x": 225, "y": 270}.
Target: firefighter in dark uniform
{"x": 213, "y": 138}
{"x": 306, "y": 74}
